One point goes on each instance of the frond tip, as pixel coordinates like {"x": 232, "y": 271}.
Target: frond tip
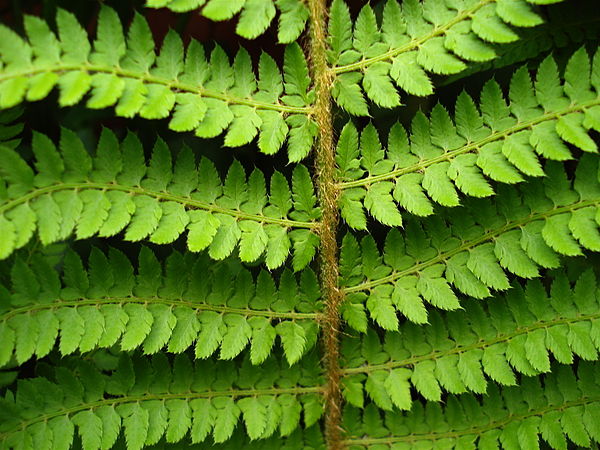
{"x": 72, "y": 192}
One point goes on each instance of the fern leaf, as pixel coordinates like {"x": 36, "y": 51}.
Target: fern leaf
{"x": 156, "y": 308}
{"x": 520, "y": 323}
{"x": 563, "y": 27}
{"x": 103, "y": 405}
{"x": 502, "y": 143}
{"x": 520, "y": 416}
{"x": 474, "y": 253}
{"x": 255, "y": 15}
{"x": 154, "y": 201}
{"x": 126, "y": 74}
{"x": 416, "y": 38}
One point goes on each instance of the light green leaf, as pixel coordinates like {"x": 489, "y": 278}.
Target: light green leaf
{"x": 138, "y": 326}
{"x": 340, "y": 29}
{"x": 295, "y": 72}
{"x": 292, "y": 20}
{"x": 211, "y": 334}
{"x": 571, "y": 129}
{"x": 255, "y": 416}
{"x": 273, "y": 131}
{"x": 72, "y": 329}
{"x": 495, "y": 165}
{"x": 438, "y": 185}
{"x": 518, "y": 151}
{"x": 379, "y": 202}
{"x": 376, "y": 389}
{"x": 488, "y": 26}
{"x": 185, "y": 331}
{"x": 202, "y": 228}
{"x": 348, "y": 94}
{"x": 222, "y": 9}
{"x": 204, "y": 416}
{"x": 136, "y": 424}
{"x": 162, "y": 326}
{"x": 407, "y": 300}
{"x": 410, "y": 76}
{"x": 109, "y": 46}
{"x": 263, "y": 337}
{"x": 255, "y": 18}
{"x": 381, "y": 309}
{"x": 424, "y": 380}
{"x": 434, "y": 288}
{"x": 293, "y": 339}
{"x": 180, "y": 419}
{"x": 237, "y": 336}
{"x": 226, "y": 417}
{"x": 496, "y": 366}
{"x": 378, "y": 85}
{"x": 557, "y": 235}
{"x": 467, "y": 177}
{"x": 74, "y": 40}
{"x": 90, "y": 429}
{"x": 469, "y": 367}
{"x": 482, "y": 262}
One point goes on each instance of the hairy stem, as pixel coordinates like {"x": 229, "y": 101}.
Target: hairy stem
{"x": 328, "y": 198}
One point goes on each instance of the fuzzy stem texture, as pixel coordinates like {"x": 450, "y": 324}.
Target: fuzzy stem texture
{"x": 328, "y": 198}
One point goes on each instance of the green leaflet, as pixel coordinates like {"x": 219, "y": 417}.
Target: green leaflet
{"x": 502, "y": 143}
{"x": 414, "y": 38}
{"x": 189, "y": 305}
{"x": 178, "y": 83}
{"x": 105, "y": 404}
{"x": 472, "y": 253}
{"x": 255, "y": 16}
{"x": 154, "y": 201}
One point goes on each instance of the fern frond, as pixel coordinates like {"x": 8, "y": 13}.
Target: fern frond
{"x": 209, "y": 98}
{"x": 255, "y": 15}
{"x": 564, "y": 27}
{"x": 562, "y": 405}
{"x": 503, "y": 143}
{"x": 300, "y": 439}
{"x": 472, "y": 248}
{"x": 191, "y": 301}
{"x": 72, "y": 192}
{"x": 416, "y": 38}
{"x": 460, "y": 350}
{"x": 148, "y": 400}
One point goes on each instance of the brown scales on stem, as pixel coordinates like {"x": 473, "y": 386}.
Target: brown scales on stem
{"x": 328, "y": 195}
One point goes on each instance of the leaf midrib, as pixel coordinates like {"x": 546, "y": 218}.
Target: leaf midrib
{"x": 471, "y": 244}
{"x": 500, "y": 338}
{"x": 147, "y": 78}
{"x": 447, "y": 156}
{"x": 231, "y": 393}
{"x": 173, "y": 303}
{"x": 414, "y": 437}
{"x": 437, "y": 31}
{"x": 133, "y": 190}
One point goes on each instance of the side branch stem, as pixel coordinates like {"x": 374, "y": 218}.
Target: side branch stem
{"x": 328, "y": 198}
